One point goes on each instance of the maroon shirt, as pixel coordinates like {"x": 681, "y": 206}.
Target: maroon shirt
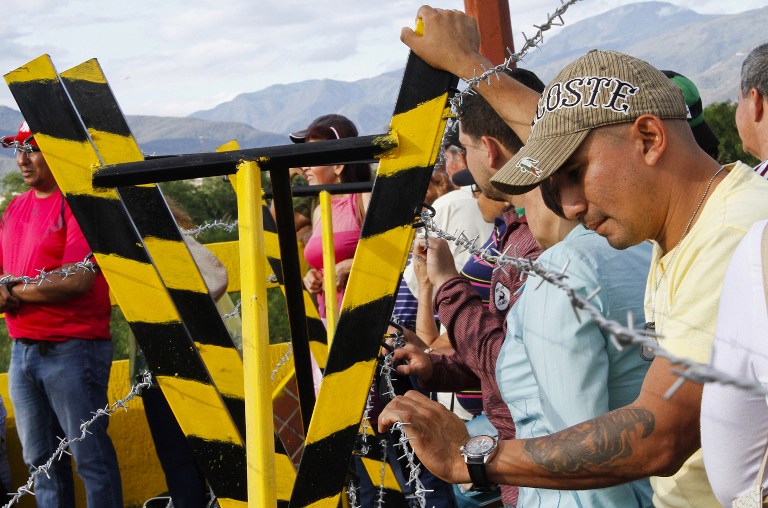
{"x": 477, "y": 333}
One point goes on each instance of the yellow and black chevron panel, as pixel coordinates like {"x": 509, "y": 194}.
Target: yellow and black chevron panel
{"x": 146, "y": 304}
{"x": 112, "y": 138}
{"x": 401, "y": 183}
{"x": 98, "y": 109}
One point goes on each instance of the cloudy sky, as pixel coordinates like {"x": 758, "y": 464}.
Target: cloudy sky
{"x": 175, "y": 57}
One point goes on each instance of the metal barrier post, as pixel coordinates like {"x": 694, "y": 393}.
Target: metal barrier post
{"x": 259, "y": 426}
{"x": 329, "y": 266}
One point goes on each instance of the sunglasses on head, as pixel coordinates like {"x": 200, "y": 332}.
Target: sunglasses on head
{"x": 25, "y": 148}
{"x": 20, "y": 146}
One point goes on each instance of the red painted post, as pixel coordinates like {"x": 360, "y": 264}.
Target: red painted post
{"x": 495, "y": 25}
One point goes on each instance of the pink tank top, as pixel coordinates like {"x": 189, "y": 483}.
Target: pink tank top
{"x": 346, "y": 234}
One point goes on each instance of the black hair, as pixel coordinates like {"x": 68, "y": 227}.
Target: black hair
{"x": 479, "y": 119}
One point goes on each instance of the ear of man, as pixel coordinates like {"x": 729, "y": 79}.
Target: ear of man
{"x": 756, "y": 104}
{"x": 496, "y": 156}
{"x": 650, "y": 132}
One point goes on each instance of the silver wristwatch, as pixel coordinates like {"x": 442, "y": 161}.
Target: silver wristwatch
{"x": 477, "y": 451}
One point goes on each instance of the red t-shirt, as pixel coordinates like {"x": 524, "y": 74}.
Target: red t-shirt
{"x": 41, "y": 233}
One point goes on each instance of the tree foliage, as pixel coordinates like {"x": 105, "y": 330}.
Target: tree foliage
{"x": 11, "y": 185}
{"x": 721, "y": 117}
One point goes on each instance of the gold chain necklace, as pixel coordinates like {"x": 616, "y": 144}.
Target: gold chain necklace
{"x": 647, "y": 352}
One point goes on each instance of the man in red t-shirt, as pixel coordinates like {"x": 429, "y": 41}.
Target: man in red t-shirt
{"x": 62, "y": 349}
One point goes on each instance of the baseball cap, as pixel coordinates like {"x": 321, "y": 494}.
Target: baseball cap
{"x": 463, "y": 178}
{"x": 332, "y": 126}
{"x": 23, "y": 137}
{"x": 599, "y": 89}
{"x": 701, "y": 131}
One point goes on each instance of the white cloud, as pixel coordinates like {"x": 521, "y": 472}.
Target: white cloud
{"x": 175, "y": 57}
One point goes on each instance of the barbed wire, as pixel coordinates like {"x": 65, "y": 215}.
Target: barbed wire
{"x": 352, "y": 494}
{"x": 282, "y": 361}
{"x": 64, "y": 443}
{"x": 620, "y": 335}
{"x": 43, "y": 274}
{"x": 366, "y": 423}
{"x": 554, "y": 19}
{"x": 382, "y": 491}
{"x": 216, "y": 224}
{"x": 398, "y": 341}
{"x": 234, "y": 312}
{"x": 414, "y": 469}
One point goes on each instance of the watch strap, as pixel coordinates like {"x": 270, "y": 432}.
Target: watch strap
{"x": 479, "y": 477}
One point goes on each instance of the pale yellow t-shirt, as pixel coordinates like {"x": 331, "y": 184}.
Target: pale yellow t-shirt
{"x": 688, "y": 298}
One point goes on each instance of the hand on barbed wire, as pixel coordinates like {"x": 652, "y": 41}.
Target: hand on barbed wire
{"x": 450, "y": 39}
{"x": 313, "y": 281}
{"x": 420, "y": 268}
{"x": 417, "y": 362}
{"x": 439, "y": 260}
{"x": 435, "y": 434}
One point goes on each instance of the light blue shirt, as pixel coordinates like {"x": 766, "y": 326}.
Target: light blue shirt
{"x": 556, "y": 370}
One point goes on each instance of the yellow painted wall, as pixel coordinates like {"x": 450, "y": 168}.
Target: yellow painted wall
{"x": 139, "y": 468}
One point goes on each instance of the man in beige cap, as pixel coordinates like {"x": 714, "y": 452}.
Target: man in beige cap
{"x": 610, "y": 144}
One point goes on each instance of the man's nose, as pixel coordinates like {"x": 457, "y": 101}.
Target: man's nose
{"x": 572, "y": 201}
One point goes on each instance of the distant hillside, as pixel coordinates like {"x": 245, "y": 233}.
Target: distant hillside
{"x": 709, "y": 49}
{"x": 159, "y": 135}
{"x": 163, "y": 135}
{"x": 288, "y": 108}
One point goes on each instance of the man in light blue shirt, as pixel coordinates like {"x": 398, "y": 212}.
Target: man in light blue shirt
{"x": 556, "y": 367}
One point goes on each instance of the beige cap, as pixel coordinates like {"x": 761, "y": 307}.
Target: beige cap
{"x": 601, "y": 88}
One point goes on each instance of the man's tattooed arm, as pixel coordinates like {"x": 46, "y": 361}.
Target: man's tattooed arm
{"x": 593, "y": 446}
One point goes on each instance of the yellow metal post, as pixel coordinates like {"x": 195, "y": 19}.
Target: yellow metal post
{"x": 259, "y": 426}
{"x": 329, "y": 266}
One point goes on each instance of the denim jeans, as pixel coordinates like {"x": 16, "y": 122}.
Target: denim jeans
{"x": 60, "y": 390}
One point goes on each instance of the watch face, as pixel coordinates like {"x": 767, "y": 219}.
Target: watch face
{"x": 479, "y": 445}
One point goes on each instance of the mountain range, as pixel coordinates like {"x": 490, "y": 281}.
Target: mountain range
{"x": 709, "y": 49}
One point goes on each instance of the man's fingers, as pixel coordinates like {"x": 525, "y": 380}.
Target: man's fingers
{"x": 407, "y": 35}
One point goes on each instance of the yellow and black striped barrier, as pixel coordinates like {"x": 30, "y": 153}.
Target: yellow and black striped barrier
{"x": 111, "y": 136}
{"x": 139, "y": 290}
{"x": 403, "y": 175}
{"x": 407, "y": 154}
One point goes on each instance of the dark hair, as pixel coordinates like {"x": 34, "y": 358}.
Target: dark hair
{"x": 352, "y": 172}
{"x": 479, "y": 119}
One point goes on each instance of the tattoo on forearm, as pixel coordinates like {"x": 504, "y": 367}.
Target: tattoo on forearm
{"x": 592, "y": 445}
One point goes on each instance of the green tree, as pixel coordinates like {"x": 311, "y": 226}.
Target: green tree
{"x": 206, "y": 200}
{"x": 721, "y": 117}
{"x": 11, "y": 185}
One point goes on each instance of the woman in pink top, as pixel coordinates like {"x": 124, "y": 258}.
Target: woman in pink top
{"x": 348, "y": 209}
